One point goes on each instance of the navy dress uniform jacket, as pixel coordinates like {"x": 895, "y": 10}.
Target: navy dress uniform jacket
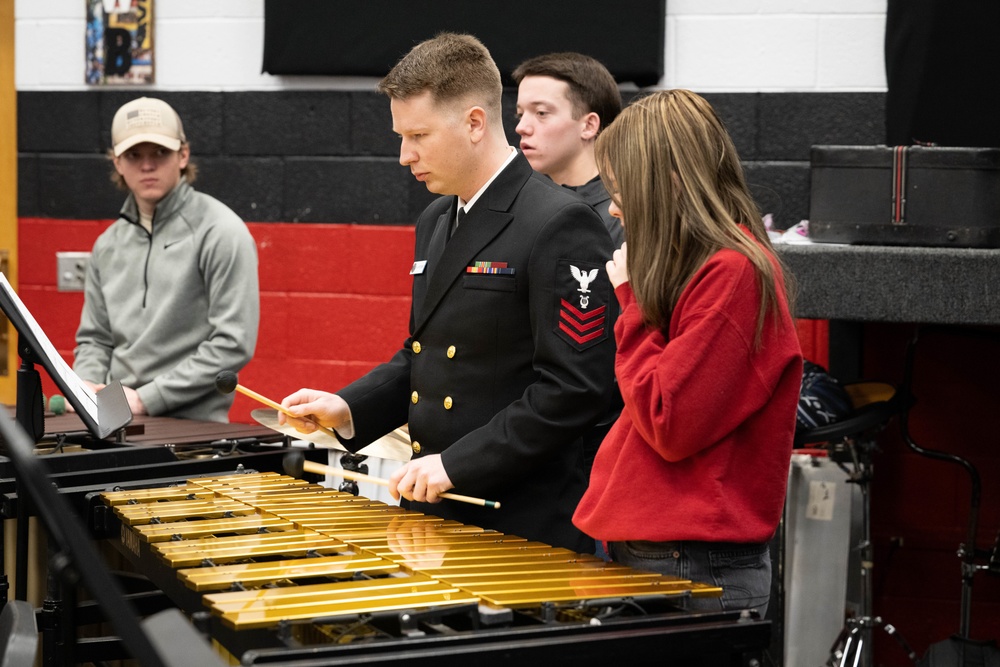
{"x": 510, "y": 358}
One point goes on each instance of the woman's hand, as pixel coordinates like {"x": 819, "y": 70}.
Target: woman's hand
{"x": 618, "y": 268}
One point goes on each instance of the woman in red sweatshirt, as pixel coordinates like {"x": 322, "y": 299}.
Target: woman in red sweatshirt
{"x": 691, "y": 479}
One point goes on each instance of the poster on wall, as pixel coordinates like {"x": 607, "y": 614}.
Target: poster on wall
{"x": 119, "y": 42}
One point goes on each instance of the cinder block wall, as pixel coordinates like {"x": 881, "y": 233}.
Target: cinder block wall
{"x": 330, "y": 156}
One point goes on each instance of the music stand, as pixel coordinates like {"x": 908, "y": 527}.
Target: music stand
{"x": 102, "y": 413}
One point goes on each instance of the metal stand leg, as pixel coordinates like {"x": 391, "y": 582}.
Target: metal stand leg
{"x": 50, "y": 624}
{"x": 4, "y": 584}
{"x": 967, "y": 551}
{"x": 853, "y": 646}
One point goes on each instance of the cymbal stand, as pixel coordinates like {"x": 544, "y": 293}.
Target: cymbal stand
{"x": 993, "y": 565}
{"x": 967, "y": 551}
{"x": 853, "y": 646}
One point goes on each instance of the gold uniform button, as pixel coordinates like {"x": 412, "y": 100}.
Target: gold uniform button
{"x": 414, "y": 397}
{"x": 451, "y": 351}
{"x": 447, "y": 402}
{"x": 415, "y": 347}
{"x": 416, "y": 447}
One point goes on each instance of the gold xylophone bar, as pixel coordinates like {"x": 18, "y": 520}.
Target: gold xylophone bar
{"x": 258, "y": 574}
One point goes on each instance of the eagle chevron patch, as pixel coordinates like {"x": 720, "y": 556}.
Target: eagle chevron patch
{"x": 582, "y": 292}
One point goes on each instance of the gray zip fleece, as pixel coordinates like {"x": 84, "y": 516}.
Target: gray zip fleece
{"x": 165, "y": 312}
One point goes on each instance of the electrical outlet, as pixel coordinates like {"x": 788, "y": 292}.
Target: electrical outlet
{"x": 71, "y": 270}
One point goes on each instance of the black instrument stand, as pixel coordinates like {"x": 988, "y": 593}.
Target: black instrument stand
{"x": 851, "y": 443}
{"x": 964, "y": 646}
{"x": 30, "y": 416}
{"x": 30, "y": 408}
{"x": 853, "y": 646}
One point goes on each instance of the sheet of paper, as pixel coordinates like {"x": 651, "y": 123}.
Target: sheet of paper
{"x": 70, "y": 380}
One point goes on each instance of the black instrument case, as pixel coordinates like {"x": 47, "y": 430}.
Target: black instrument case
{"x": 905, "y": 195}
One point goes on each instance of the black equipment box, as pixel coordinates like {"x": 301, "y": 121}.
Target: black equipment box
{"x": 905, "y": 195}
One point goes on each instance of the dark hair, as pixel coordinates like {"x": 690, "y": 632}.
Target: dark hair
{"x": 450, "y": 66}
{"x": 591, "y": 86}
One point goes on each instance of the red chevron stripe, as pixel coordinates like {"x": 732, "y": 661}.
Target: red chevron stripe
{"x": 578, "y": 338}
{"x": 580, "y": 314}
{"x": 581, "y": 326}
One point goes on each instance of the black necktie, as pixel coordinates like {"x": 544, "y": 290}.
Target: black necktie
{"x": 458, "y": 221}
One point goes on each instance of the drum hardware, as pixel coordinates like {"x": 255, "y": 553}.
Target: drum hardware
{"x": 353, "y": 463}
{"x": 226, "y": 382}
{"x": 961, "y": 646}
{"x": 993, "y": 566}
{"x": 853, "y": 646}
{"x": 394, "y": 446}
{"x": 851, "y": 443}
{"x": 855, "y": 640}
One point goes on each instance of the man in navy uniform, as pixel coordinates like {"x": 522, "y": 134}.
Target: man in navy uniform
{"x": 509, "y": 361}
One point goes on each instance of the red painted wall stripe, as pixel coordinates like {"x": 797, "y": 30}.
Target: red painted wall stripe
{"x": 334, "y": 299}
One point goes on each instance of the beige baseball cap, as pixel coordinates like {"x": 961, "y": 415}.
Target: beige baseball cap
{"x": 146, "y": 119}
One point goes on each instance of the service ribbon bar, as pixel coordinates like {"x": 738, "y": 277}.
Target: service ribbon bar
{"x": 490, "y": 267}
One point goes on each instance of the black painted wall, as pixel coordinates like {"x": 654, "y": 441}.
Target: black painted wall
{"x": 330, "y": 156}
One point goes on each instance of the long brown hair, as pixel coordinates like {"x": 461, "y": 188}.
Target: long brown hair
{"x": 674, "y": 172}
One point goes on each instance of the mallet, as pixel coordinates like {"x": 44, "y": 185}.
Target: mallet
{"x": 227, "y": 381}
{"x": 295, "y": 463}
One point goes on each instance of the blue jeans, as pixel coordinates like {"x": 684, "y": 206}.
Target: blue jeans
{"x": 742, "y": 570}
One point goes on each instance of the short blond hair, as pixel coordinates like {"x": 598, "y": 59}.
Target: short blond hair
{"x": 450, "y": 67}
